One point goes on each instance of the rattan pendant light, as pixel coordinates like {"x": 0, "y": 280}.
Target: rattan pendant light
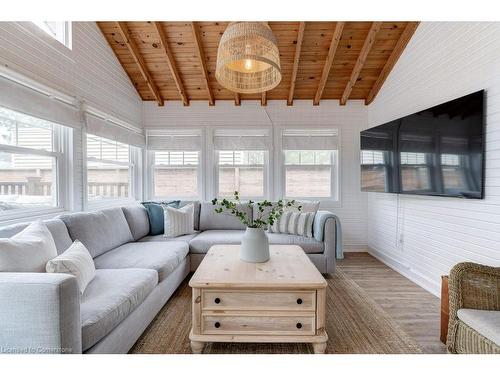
{"x": 248, "y": 59}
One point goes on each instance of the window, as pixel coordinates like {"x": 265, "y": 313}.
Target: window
{"x": 242, "y": 159}
{"x": 108, "y": 169}
{"x": 242, "y": 171}
{"x": 176, "y": 174}
{"x": 308, "y": 174}
{"x": 310, "y": 163}
{"x": 29, "y": 159}
{"x": 59, "y": 30}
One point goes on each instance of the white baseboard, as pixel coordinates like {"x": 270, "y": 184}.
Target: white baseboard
{"x": 407, "y": 272}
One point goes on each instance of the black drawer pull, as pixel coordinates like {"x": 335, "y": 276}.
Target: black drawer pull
{"x": 299, "y": 325}
{"x": 299, "y": 301}
{"x": 217, "y": 324}
{"x": 217, "y": 300}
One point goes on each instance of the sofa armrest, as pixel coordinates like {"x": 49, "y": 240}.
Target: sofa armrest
{"x": 324, "y": 230}
{"x": 40, "y": 313}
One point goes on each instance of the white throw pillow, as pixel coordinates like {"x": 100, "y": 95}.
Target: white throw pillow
{"x": 178, "y": 221}
{"x": 28, "y": 250}
{"x": 298, "y": 223}
{"x": 76, "y": 261}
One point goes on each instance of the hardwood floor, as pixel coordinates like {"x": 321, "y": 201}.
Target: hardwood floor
{"x": 415, "y": 310}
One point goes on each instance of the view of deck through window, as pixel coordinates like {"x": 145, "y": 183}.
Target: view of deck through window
{"x": 27, "y": 162}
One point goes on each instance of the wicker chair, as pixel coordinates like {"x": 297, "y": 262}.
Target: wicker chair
{"x": 475, "y": 287}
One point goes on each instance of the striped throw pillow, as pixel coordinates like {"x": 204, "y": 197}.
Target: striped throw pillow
{"x": 298, "y": 223}
{"x": 178, "y": 221}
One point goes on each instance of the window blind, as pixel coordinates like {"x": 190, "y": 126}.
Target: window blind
{"x": 175, "y": 140}
{"x": 242, "y": 139}
{"x": 108, "y": 129}
{"x": 310, "y": 139}
{"x": 21, "y": 98}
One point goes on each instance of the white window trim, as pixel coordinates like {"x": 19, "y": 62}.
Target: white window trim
{"x": 62, "y": 141}
{"x": 243, "y": 197}
{"x": 279, "y": 164}
{"x": 49, "y": 41}
{"x": 108, "y": 202}
{"x": 151, "y": 177}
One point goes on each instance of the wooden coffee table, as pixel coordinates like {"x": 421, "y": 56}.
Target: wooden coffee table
{"x": 282, "y": 300}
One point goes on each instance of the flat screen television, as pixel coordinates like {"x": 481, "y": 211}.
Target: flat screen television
{"x": 438, "y": 151}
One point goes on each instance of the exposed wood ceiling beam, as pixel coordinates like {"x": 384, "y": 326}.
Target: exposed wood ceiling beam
{"x": 171, "y": 62}
{"x": 136, "y": 55}
{"x": 201, "y": 56}
{"x": 392, "y": 60}
{"x": 296, "y": 59}
{"x": 237, "y": 99}
{"x": 337, "y": 34}
{"x": 360, "y": 62}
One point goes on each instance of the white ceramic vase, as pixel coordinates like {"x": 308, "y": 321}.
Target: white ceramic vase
{"x": 254, "y": 246}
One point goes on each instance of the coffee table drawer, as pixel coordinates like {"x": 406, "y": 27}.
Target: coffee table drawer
{"x": 269, "y": 325}
{"x": 259, "y": 300}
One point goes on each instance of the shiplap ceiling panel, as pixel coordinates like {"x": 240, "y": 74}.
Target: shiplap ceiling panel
{"x": 317, "y": 39}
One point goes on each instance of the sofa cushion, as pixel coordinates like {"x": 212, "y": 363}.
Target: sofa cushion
{"x": 28, "y": 250}
{"x": 309, "y": 245}
{"x": 138, "y": 221}
{"x": 109, "y": 298}
{"x": 56, "y": 227}
{"x": 203, "y": 241}
{"x": 164, "y": 257}
{"x": 209, "y": 219}
{"x": 485, "y": 322}
{"x": 99, "y": 231}
{"x": 75, "y": 261}
{"x": 197, "y": 206}
{"x": 155, "y": 215}
{"x": 162, "y": 238}
{"x": 307, "y": 206}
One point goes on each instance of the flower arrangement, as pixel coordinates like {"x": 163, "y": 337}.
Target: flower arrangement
{"x": 268, "y": 212}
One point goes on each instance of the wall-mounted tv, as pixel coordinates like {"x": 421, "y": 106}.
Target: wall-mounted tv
{"x": 438, "y": 151}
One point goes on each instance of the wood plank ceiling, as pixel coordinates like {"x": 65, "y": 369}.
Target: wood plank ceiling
{"x": 319, "y": 60}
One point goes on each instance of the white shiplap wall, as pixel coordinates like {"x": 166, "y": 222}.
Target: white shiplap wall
{"x": 423, "y": 237}
{"x": 90, "y": 71}
{"x": 350, "y": 119}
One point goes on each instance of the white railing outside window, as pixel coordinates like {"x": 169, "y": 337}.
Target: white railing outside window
{"x": 30, "y": 165}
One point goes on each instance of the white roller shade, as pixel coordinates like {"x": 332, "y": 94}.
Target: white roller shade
{"x": 20, "y": 98}
{"x": 107, "y": 129}
{"x": 310, "y": 139}
{"x": 175, "y": 140}
{"x": 242, "y": 139}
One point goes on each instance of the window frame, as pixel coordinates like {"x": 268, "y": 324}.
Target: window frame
{"x": 67, "y": 37}
{"x": 266, "y": 174}
{"x": 61, "y": 140}
{"x": 89, "y": 205}
{"x": 335, "y": 199}
{"x": 333, "y": 176}
{"x": 151, "y": 176}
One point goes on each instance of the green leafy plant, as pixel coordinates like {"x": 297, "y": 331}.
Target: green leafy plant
{"x": 268, "y": 212}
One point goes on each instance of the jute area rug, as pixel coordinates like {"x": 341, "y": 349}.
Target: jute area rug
{"x": 355, "y": 324}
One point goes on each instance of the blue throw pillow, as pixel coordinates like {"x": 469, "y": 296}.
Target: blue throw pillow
{"x": 155, "y": 215}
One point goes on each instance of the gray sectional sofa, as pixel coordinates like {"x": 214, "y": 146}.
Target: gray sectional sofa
{"x": 135, "y": 276}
